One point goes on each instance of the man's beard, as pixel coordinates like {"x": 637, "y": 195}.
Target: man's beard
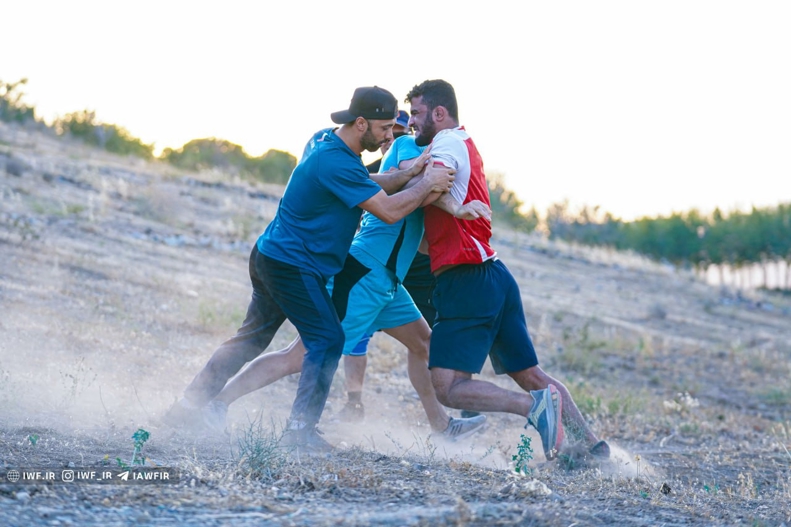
{"x": 368, "y": 141}
{"x": 427, "y": 132}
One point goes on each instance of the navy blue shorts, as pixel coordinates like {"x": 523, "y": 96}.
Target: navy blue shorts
{"x": 479, "y": 314}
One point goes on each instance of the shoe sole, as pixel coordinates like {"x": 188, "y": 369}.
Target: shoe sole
{"x": 600, "y": 450}
{"x": 555, "y": 396}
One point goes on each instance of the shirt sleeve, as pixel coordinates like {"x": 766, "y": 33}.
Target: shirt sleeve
{"x": 350, "y": 184}
{"x": 450, "y": 151}
{"x": 402, "y": 149}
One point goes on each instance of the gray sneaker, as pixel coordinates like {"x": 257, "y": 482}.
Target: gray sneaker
{"x": 214, "y": 415}
{"x": 545, "y": 416}
{"x": 459, "y": 429}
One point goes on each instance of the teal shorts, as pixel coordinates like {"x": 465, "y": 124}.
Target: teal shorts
{"x": 371, "y": 300}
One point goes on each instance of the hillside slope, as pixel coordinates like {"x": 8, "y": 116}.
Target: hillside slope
{"x": 118, "y": 278}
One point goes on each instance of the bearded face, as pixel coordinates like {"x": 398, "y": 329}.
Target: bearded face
{"x": 369, "y": 142}
{"x": 426, "y": 132}
{"x": 377, "y": 134}
{"x": 422, "y": 122}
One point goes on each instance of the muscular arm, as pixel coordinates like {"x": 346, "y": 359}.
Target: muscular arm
{"x": 444, "y": 200}
{"x": 392, "y": 182}
{"x": 472, "y": 210}
{"x": 390, "y": 209}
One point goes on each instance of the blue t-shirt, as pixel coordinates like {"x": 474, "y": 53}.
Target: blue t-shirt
{"x": 318, "y": 214}
{"x": 394, "y": 246}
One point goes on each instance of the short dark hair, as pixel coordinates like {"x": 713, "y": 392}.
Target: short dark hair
{"x": 436, "y": 93}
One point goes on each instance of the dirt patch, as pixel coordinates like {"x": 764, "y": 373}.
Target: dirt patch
{"x": 119, "y": 278}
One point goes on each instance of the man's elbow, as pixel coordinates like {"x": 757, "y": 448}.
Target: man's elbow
{"x": 388, "y": 218}
{"x": 430, "y": 199}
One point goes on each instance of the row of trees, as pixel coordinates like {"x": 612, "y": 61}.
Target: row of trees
{"x": 274, "y": 166}
{"x": 736, "y": 240}
{"x": 739, "y": 239}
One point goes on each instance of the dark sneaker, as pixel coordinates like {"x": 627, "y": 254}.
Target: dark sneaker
{"x": 307, "y": 440}
{"x": 545, "y": 416}
{"x": 352, "y": 412}
{"x": 600, "y": 450}
{"x": 466, "y": 414}
{"x": 459, "y": 429}
{"x": 214, "y": 415}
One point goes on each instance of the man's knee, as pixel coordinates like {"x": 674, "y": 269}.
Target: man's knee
{"x": 443, "y": 381}
{"x": 420, "y": 350}
{"x": 533, "y": 378}
{"x": 329, "y": 344}
{"x": 335, "y": 341}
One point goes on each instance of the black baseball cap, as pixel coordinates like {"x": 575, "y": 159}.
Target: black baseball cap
{"x": 370, "y": 102}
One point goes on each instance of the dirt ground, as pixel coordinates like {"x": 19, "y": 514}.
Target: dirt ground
{"x": 118, "y": 278}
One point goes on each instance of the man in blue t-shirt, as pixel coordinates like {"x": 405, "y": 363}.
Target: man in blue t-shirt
{"x": 368, "y": 295}
{"x": 305, "y": 244}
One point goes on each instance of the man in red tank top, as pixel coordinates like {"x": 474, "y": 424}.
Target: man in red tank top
{"x": 478, "y": 303}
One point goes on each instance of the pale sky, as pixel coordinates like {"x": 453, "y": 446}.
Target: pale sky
{"x": 642, "y": 108}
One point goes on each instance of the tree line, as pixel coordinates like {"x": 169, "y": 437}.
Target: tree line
{"x": 736, "y": 240}
{"x": 690, "y": 239}
{"x": 274, "y": 166}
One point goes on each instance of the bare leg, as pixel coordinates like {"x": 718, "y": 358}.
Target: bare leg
{"x": 263, "y": 371}
{"x": 457, "y": 389}
{"x": 537, "y": 379}
{"x": 354, "y": 368}
{"x": 416, "y": 336}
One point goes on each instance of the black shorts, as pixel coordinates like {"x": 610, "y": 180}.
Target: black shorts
{"x": 479, "y": 314}
{"x": 419, "y": 283}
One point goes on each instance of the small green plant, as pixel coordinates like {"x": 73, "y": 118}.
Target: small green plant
{"x": 428, "y": 450}
{"x": 259, "y": 453}
{"x": 711, "y": 489}
{"x": 33, "y": 438}
{"x": 524, "y": 453}
{"x": 139, "y": 437}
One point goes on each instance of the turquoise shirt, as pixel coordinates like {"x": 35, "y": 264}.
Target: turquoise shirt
{"x": 394, "y": 246}
{"x": 318, "y": 215}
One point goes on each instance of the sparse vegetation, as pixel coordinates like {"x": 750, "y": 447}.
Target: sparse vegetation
{"x": 213, "y": 317}
{"x": 85, "y": 126}
{"x": 113, "y": 301}
{"x": 274, "y": 166}
{"x": 523, "y": 456}
{"x": 580, "y": 352}
{"x": 12, "y": 107}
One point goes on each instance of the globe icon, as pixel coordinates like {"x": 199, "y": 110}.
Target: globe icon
{"x": 12, "y": 476}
